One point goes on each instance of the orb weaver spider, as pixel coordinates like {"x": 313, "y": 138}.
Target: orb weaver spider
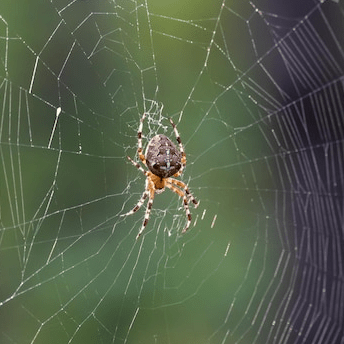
{"x": 164, "y": 161}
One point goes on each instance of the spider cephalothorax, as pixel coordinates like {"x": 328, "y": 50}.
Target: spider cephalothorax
{"x": 163, "y": 160}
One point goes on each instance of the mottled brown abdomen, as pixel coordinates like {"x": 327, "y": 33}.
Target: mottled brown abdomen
{"x": 162, "y": 156}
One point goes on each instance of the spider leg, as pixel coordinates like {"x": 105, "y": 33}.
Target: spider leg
{"x": 149, "y": 207}
{"x": 148, "y": 191}
{"x": 139, "y": 138}
{"x": 185, "y": 203}
{"x": 137, "y": 165}
{"x": 138, "y": 205}
{"x": 185, "y": 187}
{"x": 181, "y": 148}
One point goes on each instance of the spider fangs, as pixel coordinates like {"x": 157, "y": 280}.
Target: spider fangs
{"x": 164, "y": 161}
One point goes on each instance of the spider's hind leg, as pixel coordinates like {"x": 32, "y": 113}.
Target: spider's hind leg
{"x": 181, "y": 148}
{"x": 139, "y": 138}
{"x": 137, "y": 165}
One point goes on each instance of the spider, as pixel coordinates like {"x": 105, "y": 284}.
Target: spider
{"x": 163, "y": 160}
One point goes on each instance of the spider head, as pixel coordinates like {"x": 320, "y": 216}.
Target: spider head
{"x": 162, "y": 156}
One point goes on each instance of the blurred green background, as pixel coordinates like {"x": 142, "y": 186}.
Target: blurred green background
{"x": 71, "y": 269}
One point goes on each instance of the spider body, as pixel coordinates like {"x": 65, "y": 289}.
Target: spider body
{"x": 163, "y": 160}
{"x": 162, "y": 157}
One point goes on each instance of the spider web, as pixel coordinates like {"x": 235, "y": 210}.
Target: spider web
{"x": 256, "y": 90}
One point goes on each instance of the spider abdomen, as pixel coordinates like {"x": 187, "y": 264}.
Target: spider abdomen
{"x": 162, "y": 156}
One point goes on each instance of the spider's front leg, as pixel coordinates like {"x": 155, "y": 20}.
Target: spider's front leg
{"x": 185, "y": 202}
{"x": 138, "y": 205}
{"x": 149, "y": 206}
{"x": 187, "y": 191}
